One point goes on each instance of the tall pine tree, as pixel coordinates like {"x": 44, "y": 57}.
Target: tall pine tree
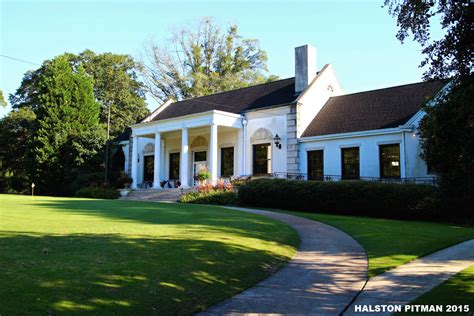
{"x": 68, "y": 134}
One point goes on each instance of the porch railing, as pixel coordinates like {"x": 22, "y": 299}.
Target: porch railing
{"x": 304, "y": 176}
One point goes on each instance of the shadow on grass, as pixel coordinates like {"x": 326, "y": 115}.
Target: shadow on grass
{"x": 214, "y": 218}
{"x": 113, "y": 275}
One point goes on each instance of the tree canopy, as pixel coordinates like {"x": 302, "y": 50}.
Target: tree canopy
{"x": 115, "y": 84}
{"x": 447, "y": 129}
{"x": 449, "y": 56}
{"x": 54, "y": 140}
{"x": 203, "y": 60}
{"x": 3, "y": 103}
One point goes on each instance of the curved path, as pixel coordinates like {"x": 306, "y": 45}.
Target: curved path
{"x": 326, "y": 273}
{"x": 405, "y": 283}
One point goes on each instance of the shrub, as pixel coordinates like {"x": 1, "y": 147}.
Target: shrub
{"x": 390, "y": 200}
{"x": 97, "y": 193}
{"x": 209, "y": 197}
{"x": 123, "y": 180}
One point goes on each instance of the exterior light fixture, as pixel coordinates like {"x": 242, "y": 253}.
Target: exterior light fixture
{"x": 277, "y": 141}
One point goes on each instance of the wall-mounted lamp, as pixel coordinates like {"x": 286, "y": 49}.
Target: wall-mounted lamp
{"x": 277, "y": 141}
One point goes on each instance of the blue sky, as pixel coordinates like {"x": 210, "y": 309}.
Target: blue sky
{"x": 356, "y": 37}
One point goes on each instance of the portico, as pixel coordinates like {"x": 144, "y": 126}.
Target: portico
{"x": 176, "y": 150}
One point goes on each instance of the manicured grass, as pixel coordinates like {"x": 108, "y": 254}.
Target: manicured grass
{"x": 60, "y": 255}
{"x": 390, "y": 243}
{"x": 458, "y": 290}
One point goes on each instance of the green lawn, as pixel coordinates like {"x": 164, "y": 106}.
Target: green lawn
{"x": 60, "y": 255}
{"x": 458, "y": 290}
{"x": 390, "y": 243}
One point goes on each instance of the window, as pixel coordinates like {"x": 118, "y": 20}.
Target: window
{"x": 389, "y": 161}
{"x": 148, "y": 168}
{"x": 350, "y": 163}
{"x": 262, "y": 159}
{"x": 200, "y": 156}
{"x": 315, "y": 165}
{"x": 227, "y": 162}
{"x": 174, "y": 166}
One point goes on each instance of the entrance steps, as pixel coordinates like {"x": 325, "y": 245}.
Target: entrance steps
{"x": 164, "y": 195}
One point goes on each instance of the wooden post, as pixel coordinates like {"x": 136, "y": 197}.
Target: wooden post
{"x": 32, "y": 189}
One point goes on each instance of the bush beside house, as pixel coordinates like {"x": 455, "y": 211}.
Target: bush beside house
{"x": 219, "y": 194}
{"x": 97, "y": 193}
{"x": 403, "y": 201}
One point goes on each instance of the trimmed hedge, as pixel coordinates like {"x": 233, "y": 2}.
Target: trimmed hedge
{"x": 389, "y": 200}
{"x": 97, "y": 193}
{"x": 210, "y": 197}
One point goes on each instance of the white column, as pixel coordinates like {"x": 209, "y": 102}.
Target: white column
{"x": 156, "y": 163}
{"x": 239, "y": 152}
{"x": 245, "y": 148}
{"x": 403, "y": 161}
{"x": 213, "y": 153}
{"x": 134, "y": 161}
{"x": 184, "y": 169}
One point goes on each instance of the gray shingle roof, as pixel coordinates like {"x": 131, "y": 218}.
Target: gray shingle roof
{"x": 376, "y": 109}
{"x": 235, "y": 101}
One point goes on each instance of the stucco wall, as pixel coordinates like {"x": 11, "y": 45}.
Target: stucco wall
{"x": 275, "y": 121}
{"x": 324, "y": 86}
{"x": 369, "y": 154}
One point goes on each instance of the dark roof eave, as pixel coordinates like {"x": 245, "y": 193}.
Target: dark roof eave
{"x": 270, "y": 107}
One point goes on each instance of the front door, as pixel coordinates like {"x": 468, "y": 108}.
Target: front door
{"x": 199, "y": 164}
{"x": 174, "y": 166}
{"x": 148, "y": 170}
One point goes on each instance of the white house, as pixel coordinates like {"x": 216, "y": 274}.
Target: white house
{"x": 302, "y": 127}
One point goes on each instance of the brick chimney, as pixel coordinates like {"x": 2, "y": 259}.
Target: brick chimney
{"x": 305, "y": 66}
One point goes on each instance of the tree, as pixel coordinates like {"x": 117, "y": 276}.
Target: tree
{"x": 3, "y": 103}
{"x": 447, "y": 129}
{"x": 202, "y": 62}
{"x": 68, "y": 133}
{"x": 16, "y": 131}
{"x": 115, "y": 84}
{"x": 450, "y": 56}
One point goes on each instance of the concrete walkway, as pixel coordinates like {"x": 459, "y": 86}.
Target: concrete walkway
{"x": 326, "y": 273}
{"x": 405, "y": 283}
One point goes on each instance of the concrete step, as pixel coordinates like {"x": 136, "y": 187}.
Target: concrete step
{"x": 169, "y": 195}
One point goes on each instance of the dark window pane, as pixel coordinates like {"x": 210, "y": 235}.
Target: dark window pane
{"x": 200, "y": 156}
{"x": 227, "y": 162}
{"x": 390, "y": 161}
{"x": 174, "y": 166}
{"x": 350, "y": 163}
{"x": 261, "y": 159}
{"x": 315, "y": 165}
{"x": 148, "y": 169}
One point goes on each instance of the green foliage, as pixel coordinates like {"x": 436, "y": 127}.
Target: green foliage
{"x": 209, "y": 197}
{"x": 123, "y": 180}
{"x": 68, "y": 134}
{"x": 115, "y": 84}
{"x": 203, "y": 175}
{"x": 16, "y": 132}
{"x": 449, "y": 56}
{"x": 3, "y": 103}
{"x": 343, "y": 197}
{"x": 447, "y": 133}
{"x": 63, "y": 145}
{"x": 202, "y": 61}
{"x": 97, "y": 193}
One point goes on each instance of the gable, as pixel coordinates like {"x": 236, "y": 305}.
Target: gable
{"x": 376, "y": 109}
